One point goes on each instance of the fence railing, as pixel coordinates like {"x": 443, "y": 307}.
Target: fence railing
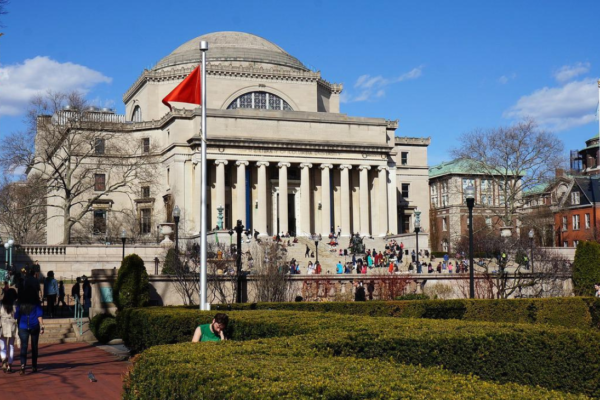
{"x": 38, "y": 250}
{"x": 79, "y": 315}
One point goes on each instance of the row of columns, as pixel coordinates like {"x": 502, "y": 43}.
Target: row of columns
{"x": 386, "y": 198}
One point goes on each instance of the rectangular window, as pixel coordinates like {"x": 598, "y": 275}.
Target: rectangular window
{"x": 587, "y": 221}
{"x": 445, "y": 187}
{"x": 564, "y": 223}
{"x": 444, "y": 224}
{"x": 404, "y": 158}
{"x": 145, "y": 192}
{"x": 444, "y": 200}
{"x": 575, "y": 243}
{"x": 566, "y": 243}
{"x": 405, "y": 188}
{"x": 501, "y": 199}
{"x": 99, "y": 146}
{"x": 575, "y": 198}
{"x": 488, "y": 221}
{"x": 575, "y": 222}
{"x": 484, "y": 200}
{"x": 146, "y": 145}
{"x": 168, "y": 176}
{"x": 434, "y": 201}
{"x": 145, "y": 221}
{"x": 99, "y": 222}
{"x": 486, "y": 185}
{"x": 99, "y": 182}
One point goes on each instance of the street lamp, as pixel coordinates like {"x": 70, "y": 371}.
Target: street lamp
{"x": 531, "y": 233}
{"x": 470, "y": 196}
{"x": 10, "y": 251}
{"x": 230, "y": 240}
{"x": 239, "y": 229}
{"x": 123, "y": 239}
{"x": 317, "y": 248}
{"x": 6, "y": 255}
{"x": 176, "y": 215}
{"x": 417, "y": 230}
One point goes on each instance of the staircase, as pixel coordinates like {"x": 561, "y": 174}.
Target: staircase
{"x": 58, "y": 330}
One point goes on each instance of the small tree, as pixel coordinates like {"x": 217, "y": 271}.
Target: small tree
{"x": 132, "y": 288}
{"x": 586, "y": 268}
{"x": 272, "y": 284}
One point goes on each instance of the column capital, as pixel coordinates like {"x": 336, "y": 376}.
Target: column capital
{"x": 345, "y": 166}
{"x": 323, "y": 166}
{"x": 283, "y": 164}
{"x": 382, "y": 168}
{"x": 306, "y": 165}
{"x": 245, "y": 163}
{"x": 364, "y": 167}
{"x": 224, "y": 162}
{"x": 262, "y": 164}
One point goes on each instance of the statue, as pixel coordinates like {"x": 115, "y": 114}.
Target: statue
{"x": 357, "y": 246}
{"x": 220, "y": 217}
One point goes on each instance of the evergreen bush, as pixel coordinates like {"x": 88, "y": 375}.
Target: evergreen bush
{"x": 586, "y": 268}
{"x": 169, "y": 264}
{"x": 104, "y": 327}
{"x": 132, "y": 288}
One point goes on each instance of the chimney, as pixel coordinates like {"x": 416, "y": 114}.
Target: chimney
{"x": 559, "y": 172}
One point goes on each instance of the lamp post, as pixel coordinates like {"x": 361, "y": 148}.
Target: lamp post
{"x": 156, "y": 261}
{"x": 317, "y": 249}
{"x": 470, "y": 197}
{"x": 176, "y": 215}
{"x": 230, "y": 240}
{"x": 123, "y": 239}
{"x": 531, "y": 233}
{"x": 239, "y": 229}
{"x": 417, "y": 230}
{"x": 10, "y": 251}
{"x": 6, "y": 255}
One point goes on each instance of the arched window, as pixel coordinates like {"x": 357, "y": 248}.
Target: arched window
{"x": 261, "y": 100}
{"x": 137, "y": 114}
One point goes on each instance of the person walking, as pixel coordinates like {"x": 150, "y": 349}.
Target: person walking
{"x": 31, "y": 324}
{"x": 8, "y": 329}
{"x": 87, "y": 295}
{"x": 76, "y": 290}
{"x": 61, "y": 296}
{"x": 307, "y": 252}
{"x": 51, "y": 290}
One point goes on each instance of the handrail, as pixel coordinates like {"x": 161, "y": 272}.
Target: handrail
{"x": 79, "y": 315}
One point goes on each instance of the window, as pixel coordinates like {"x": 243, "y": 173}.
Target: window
{"x": 99, "y": 145}
{"x": 404, "y": 158}
{"x": 564, "y": 223}
{"x": 444, "y": 200}
{"x": 575, "y": 222}
{"x": 145, "y": 192}
{"x": 434, "y": 201}
{"x": 575, "y": 243}
{"x": 484, "y": 199}
{"x": 137, "y": 114}
{"x": 501, "y": 200}
{"x": 575, "y": 198}
{"x": 467, "y": 182}
{"x": 99, "y": 222}
{"x": 587, "y": 221}
{"x": 486, "y": 185}
{"x": 488, "y": 221}
{"x": 566, "y": 243}
{"x": 444, "y": 224}
{"x": 405, "y": 187}
{"x": 99, "y": 182}
{"x": 146, "y": 145}
{"x": 260, "y": 100}
{"x": 145, "y": 221}
{"x": 168, "y": 176}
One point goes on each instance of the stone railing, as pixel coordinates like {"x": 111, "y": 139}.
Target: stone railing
{"x": 42, "y": 250}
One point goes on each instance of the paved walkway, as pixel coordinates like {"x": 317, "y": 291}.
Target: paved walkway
{"x": 63, "y": 374}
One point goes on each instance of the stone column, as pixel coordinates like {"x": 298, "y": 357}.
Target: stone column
{"x": 261, "y": 218}
{"x": 220, "y": 197}
{"x": 305, "y": 216}
{"x": 392, "y": 202}
{"x": 283, "y": 197}
{"x": 364, "y": 199}
{"x": 241, "y": 191}
{"x": 382, "y": 198}
{"x": 325, "y": 199}
{"x": 345, "y": 198}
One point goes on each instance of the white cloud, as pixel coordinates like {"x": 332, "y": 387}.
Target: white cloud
{"x": 559, "y": 108}
{"x": 503, "y": 80}
{"x": 19, "y": 83}
{"x": 568, "y": 72}
{"x": 370, "y": 87}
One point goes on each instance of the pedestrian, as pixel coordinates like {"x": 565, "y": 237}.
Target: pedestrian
{"x": 360, "y": 294}
{"x": 61, "y": 296}
{"x": 339, "y": 231}
{"x": 87, "y": 295}
{"x": 51, "y": 290}
{"x": 213, "y": 332}
{"x": 413, "y": 256}
{"x": 339, "y": 267}
{"x": 318, "y": 268}
{"x": 31, "y": 324}
{"x": 450, "y": 267}
{"x": 391, "y": 268}
{"x": 8, "y": 329}
{"x": 439, "y": 268}
{"x": 76, "y": 290}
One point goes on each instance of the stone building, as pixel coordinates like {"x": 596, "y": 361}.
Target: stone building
{"x": 281, "y": 155}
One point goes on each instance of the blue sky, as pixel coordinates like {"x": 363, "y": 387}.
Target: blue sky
{"x": 442, "y": 68}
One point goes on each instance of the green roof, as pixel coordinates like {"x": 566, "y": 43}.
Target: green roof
{"x": 457, "y": 167}
{"x": 537, "y": 189}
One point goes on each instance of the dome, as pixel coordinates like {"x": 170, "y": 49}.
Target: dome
{"x": 232, "y": 47}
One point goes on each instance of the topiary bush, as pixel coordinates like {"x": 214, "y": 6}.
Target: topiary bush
{"x": 104, "y": 327}
{"x": 169, "y": 264}
{"x": 132, "y": 288}
{"x": 586, "y": 268}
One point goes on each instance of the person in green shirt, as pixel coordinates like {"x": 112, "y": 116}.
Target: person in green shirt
{"x": 212, "y": 332}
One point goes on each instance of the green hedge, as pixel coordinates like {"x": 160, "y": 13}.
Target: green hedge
{"x": 132, "y": 288}
{"x": 570, "y": 312}
{"x": 552, "y": 357}
{"x": 286, "y": 369}
{"x": 104, "y": 327}
{"x": 586, "y": 268}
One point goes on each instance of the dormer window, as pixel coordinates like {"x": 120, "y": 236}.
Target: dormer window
{"x": 260, "y": 100}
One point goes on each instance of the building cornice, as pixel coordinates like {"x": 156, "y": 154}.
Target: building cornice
{"x": 412, "y": 141}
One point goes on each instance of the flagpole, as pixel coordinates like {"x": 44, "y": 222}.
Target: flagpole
{"x": 203, "y": 266}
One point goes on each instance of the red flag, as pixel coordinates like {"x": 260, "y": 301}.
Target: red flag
{"x": 188, "y": 91}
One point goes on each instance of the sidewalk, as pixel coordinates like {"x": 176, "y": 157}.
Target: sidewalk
{"x": 63, "y": 374}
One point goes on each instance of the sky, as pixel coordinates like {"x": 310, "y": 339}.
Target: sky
{"x": 441, "y": 68}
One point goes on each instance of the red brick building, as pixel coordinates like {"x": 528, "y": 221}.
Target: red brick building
{"x": 578, "y": 216}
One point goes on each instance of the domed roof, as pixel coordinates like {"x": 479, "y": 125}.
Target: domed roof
{"x": 231, "y": 46}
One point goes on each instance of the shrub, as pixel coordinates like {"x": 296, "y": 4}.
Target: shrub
{"x": 169, "y": 264}
{"x": 104, "y": 327}
{"x": 586, "y": 268}
{"x": 132, "y": 288}
{"x": 412, "y": 296}
{"x": 552, "y": 357}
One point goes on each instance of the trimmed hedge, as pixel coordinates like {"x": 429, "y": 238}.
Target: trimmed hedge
{"x": 552, "y": 357}
{"x": 104, "y": 327}
{"x": 570, "y": 312}
{"x": 586, "y": 268}
{"x": 132, "y": 288}
{"x": 286, "y": 368}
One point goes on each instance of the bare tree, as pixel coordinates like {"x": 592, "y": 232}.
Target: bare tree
{"x": 272, "y": 284}
{"x": 516, "y": 159}
{"x": 23, "y": 210}
{"x": 82, "y": 154}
